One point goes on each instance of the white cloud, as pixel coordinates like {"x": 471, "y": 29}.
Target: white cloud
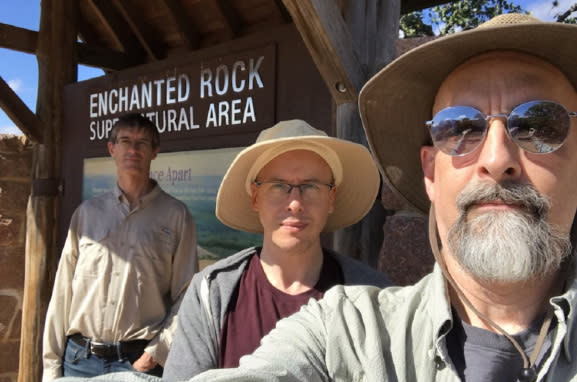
{"x": 10, "y": 130}
{"x": 15, "y": 84}
{"x": 544, "y": 10}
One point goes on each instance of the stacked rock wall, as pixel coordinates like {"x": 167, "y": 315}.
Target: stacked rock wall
{"x": 405, "y": 255}
{"x": 15, "y": 165}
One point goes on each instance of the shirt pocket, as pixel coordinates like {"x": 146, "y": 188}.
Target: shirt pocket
{"x": 167, "y": 240}
{"x": 157, "y": 245}
{"x": 154, "y": 252}
{"x": 91, "y": 258}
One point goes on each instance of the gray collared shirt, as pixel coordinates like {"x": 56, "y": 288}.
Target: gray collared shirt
{"x": 370, "y": 334}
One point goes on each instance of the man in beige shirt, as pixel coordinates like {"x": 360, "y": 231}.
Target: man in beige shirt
{"x": 126, "y": 264}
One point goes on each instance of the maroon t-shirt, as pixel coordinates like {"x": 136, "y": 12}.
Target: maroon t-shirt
{"x": 259, "y": 305}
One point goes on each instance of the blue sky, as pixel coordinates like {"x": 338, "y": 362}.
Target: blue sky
{"x": 20, "y": 70}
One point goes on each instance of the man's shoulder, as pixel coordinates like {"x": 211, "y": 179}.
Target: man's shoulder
{"x": 171, "y": 200}
{"x": 392, "y": 294}
{"x": 392, "y": 301}
{"x": 232, "y": 262}
{"x": 166, "y": 202}
{"x": 358, "y": 273}
{"x": 222, "y": 276}
{"x": 98, "y": 202}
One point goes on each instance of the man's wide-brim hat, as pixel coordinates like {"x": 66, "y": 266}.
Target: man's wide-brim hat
{"x": 353, "y": 167}
{"x": 398, "y": 100}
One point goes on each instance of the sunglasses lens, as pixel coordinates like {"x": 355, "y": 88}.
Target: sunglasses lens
{"x": 458, "y": 130}
{"x": 539, "y": 126}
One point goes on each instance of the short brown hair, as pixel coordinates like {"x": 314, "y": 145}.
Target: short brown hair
{"x": 139, "y": 122}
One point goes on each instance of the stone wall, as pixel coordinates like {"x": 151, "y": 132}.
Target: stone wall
{"x": 15, "y": 165}
{"x": 405, "y": 255}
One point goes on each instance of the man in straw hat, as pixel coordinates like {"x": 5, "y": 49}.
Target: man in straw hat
{"x": 487, "y": 118}
{"x": 292, "y": 184}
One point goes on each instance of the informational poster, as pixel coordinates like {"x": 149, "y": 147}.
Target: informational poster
{"x": 193, "y": 177}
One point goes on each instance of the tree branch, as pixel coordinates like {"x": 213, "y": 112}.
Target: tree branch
{"x": 563, "y": 16}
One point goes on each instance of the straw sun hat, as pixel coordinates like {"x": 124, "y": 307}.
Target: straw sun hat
{"x": 397, "y": 101}
{"x": 354, "y": 172}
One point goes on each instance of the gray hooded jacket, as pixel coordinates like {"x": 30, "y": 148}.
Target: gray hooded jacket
{"x": 200, "y": 318}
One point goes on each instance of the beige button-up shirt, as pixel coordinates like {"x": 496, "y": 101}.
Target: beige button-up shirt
{"x": 122, "y": 274}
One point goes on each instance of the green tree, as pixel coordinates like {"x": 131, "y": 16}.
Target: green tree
{"x": 412, "y": 25}
{"x": 566, "y": 17}
{"x": 455, "y": 16}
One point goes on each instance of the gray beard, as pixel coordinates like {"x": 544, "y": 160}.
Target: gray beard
{"x": 507, "y": 246}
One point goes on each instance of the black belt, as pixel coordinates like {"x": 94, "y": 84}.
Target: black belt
{"x": 116, "y": 349}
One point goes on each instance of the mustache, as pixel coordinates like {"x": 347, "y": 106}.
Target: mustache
{"x": 524, "y": 196}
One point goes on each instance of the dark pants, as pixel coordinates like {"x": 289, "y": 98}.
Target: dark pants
{"x": 79, "y": 362}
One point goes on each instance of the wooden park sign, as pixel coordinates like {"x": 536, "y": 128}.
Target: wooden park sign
{"x": 209, "y": 97}
{"x": 218, "y": 98}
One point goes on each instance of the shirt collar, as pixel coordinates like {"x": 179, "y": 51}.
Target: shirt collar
{"x": 119, "y": 195}
{"x": 564, "y": 305}
{"x": 440, "y": 311}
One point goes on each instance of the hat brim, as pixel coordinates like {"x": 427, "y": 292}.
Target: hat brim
{"x": 397, "y": 101}
{"x": 354, "y": 198}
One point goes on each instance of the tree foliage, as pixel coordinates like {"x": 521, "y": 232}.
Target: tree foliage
{"x": 566, "y": 16}
{"x": 467, "y": 14}
{"x": 412, "y": 25}
{"x": 455, "y": 16}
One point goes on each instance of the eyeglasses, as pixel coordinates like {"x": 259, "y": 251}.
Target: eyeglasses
{"x": 139, "y": 145}
{"x": 538, "y": 127}
{"x": 280, "y": 191}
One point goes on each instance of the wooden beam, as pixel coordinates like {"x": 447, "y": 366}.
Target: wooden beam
{"x": 373, "y": 26}
{"x": 113, "y": 23}
{"x": 286, "y": 16}
{"x": 26, "y": 41}
{"x": 231, "y": 17}
{"x": 19, "y": 39}
{"x": 188, "y": 31}
{"x": 87, "y": 32}
{"x": 56, "y": 68}
{"x": 408, "y": 6}
{"x": 107, "y": 59}
{"x": 19, "y": 113}
{"x": 327, "y": 38}
{"x": 143, "y": 34}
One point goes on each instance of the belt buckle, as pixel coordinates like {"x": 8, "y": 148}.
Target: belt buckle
{"x": 95, "y": 347}
{"x": 102, "y": 349}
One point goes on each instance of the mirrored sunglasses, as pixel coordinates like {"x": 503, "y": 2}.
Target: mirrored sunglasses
{"x": 538, "y": 127}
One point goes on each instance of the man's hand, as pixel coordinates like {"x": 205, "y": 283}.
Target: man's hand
{"x": 144, "y": 363}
